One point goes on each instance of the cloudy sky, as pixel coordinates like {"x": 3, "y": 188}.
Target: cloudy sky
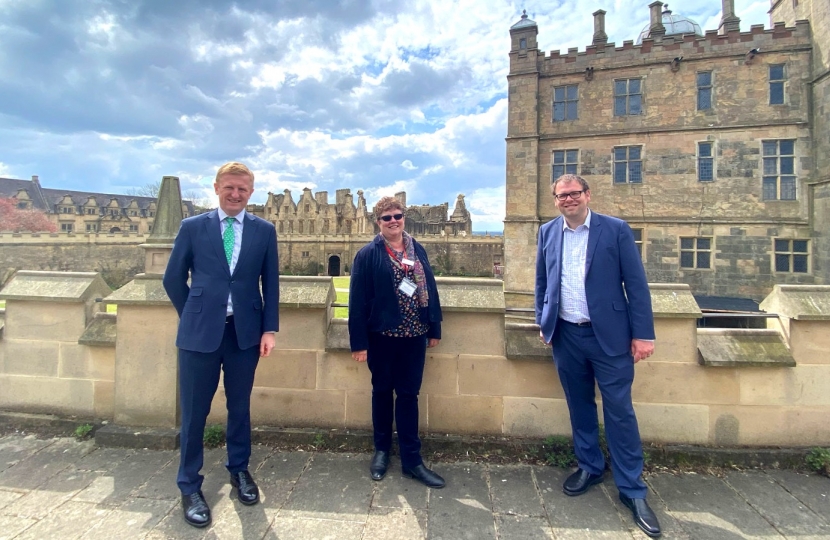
{"x": 378, "y": 95}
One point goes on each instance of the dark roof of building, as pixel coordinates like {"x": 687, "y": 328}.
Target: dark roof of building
{"x": 726, "y": 304}
{"x": 47, "y": 198}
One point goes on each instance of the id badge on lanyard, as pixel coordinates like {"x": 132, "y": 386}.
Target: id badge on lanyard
{"x": 407, "y": 286}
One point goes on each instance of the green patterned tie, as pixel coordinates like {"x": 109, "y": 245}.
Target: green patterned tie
{"x": 228, "y": 238}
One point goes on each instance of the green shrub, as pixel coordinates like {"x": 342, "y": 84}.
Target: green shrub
{"x": 84, "y": 431}
{"x": 559, "y": 451}
{"x": 818, "y": 459}
{"x": 214, "y": 436}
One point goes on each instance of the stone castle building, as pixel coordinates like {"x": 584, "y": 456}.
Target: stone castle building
{"x": 714, "y": 146}
{"x": 319, "y": 237}
{"x": 86, "y": 212}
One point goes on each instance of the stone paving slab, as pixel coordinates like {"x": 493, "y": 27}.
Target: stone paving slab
{"x": 59, "y": 488}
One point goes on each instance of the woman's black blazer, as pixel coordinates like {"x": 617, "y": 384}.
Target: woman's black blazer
{"x": 373, "y": 299}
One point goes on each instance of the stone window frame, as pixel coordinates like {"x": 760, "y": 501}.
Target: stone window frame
{"x": 565, "y": 100}
{"x": 631, "y": 165}
{"x": 705, "y": 89}
{"x": 700, "y": 249}
{"x": 703, "y": 159}
{"x": 627, "y": 97}
{"x": 792, "y": 251}
{"x": 567, "y": 166}
{"x": 639, "y": 236}
{"x": 305, "y": 254}
{"x": 777, "y": 82}
{"x": 67, "y": 227}
{"x": 91, "y": 227}
{"x": 776, "y": 167}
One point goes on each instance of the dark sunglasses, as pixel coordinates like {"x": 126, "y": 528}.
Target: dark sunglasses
{"x": 397, "y": 217}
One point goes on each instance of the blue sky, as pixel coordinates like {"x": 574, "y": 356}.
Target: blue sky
{"x": 378, "y": 95}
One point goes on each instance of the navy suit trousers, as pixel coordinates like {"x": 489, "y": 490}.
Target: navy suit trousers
{"x": 397, "y": 364}
{"x": 198, "y": 380}
{"x": 580, "y": 361}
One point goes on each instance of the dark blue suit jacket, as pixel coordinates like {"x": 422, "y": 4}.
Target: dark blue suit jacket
{"x": 198, "y": 251}
{"x": 619, "y": 301}
{"x": 373, "y": 299}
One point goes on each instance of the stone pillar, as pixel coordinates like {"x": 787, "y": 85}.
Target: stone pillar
{"x": 729, "y": 22}
{"x": 43, "y": 368}
{"x": 656, "y": 28}
{"x": 146, "y": 358}
{"x": 599, "y": 27}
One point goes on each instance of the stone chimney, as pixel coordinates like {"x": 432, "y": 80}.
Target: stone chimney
{"x": 729, "y": 22}
{"x": 656, "y": 28}
{"x": 35, "y": 179}
{"x": 599, "y": 27}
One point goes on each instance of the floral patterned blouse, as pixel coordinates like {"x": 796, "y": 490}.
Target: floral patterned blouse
{"x": 412, "y": 325}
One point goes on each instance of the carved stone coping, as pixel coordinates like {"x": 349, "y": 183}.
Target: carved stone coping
{"x": 337, "y": 336}
{"x": 143, "y": 290}
{"x": 735, "y": 347}
{"x": 306, "y": 292}
{"x": 75, "y": 287}
{"x": 476, "y": 295}
{"x": 522, "y": 342}
{"x": 100, "y": 332}
{"x": 673, "y": 301}
{"x": 799, "y": 302}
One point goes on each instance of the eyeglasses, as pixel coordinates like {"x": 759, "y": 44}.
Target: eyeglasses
{"x": 397, "y": 217}
{"x": 575, "y": 195}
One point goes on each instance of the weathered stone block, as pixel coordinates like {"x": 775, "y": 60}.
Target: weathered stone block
{"x": 47, "y": 395}
{"x": 472, "y": 333}
{"x": 465, "y": 414}
{"x": 287, "y": 369}
{"x": 338, "y": 371}
{"x": 743, "y": 347}
{"x": 805, "y": 385}
{"x": 676, "y": 340}
{"x": 536, "y": 417}
{"x": 498, "y": 376}
{"x": 359, "y": 409}
{"x": 298, "y": 408}
{"x": 104, "y": 399}
{"x": 302, "y": 328}
{"x": 769, "y": 425}
{"x": 440, "y": 374}
{"x": 669, "y": 423}
{"x": 663, "y": 382}
{"x": 810, "y": 342}
{"x": 82, "y": 362}
{"x": 30, "y": 357}
{"x": 36, "y": 320}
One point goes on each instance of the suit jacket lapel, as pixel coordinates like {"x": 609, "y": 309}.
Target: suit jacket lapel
{"x": 557, "y": 244}
{"x": 213, "y": 230}
{"x": 248, "y": 234}
{"x": 594, "y": 233}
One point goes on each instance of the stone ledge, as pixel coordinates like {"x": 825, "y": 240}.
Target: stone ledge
{"x": 741, "y": 347}
{"x": 799, "y": 302}
{"x": 137, "y": 437}
{"x": 101, "y": 332}
{"x": 522, "y": 342}
{"x": 337, "y": 336}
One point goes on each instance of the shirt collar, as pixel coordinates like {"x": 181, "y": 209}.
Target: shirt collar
{"x": 587, "y": 223}
{"x": 238, "y": 217}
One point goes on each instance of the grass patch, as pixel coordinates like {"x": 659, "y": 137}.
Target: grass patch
{"x": 112, "y": 308}
{"x": 818, "y": 459}
{"x": 342, "y": 283}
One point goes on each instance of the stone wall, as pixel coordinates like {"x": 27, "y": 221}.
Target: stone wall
{"x": 499, "y": 375}
{"x": 115, "y": 256}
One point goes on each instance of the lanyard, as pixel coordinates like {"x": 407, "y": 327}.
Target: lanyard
{"x": 405, "y": 267}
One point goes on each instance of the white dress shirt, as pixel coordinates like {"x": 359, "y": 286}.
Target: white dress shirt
{"x": 573, "y": 305}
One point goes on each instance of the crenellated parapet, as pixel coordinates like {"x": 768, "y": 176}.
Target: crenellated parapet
{"x": 779, "y": 38}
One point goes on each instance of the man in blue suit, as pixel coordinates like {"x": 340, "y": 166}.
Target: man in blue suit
{"x": 225, "y": 325}
{"x": 593, "y": 305}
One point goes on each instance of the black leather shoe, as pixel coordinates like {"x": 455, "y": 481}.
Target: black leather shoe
{"x": 579, "y": 482}
{"x": 424, "y": 476}
{"x": 380, "y": 462}
{"x": 643, "y": 515}
{"x": 246, "y": 488}
{"x": 196, "y": 509}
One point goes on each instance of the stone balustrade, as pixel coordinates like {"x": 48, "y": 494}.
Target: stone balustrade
{"x": 60, "y": 354}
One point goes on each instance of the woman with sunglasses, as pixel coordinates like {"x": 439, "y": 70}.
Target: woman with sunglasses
{"x": 394, "y": 316}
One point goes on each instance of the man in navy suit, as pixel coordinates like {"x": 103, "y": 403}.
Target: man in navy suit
{"x": 593, "y": 305}
{"x": 225, "y": 325}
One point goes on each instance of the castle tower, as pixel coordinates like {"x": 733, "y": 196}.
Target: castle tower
{"x": 521, "y": 221}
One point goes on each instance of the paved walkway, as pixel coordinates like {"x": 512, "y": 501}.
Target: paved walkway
{"x": 62, "y": 489}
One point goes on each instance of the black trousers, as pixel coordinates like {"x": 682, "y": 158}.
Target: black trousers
{"x": 397, "y": 365}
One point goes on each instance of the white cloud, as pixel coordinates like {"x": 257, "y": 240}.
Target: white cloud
{"x": 407, "y": 164}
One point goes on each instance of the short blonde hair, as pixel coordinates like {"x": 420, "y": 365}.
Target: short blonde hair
{"x": 385, "y": 204}
{"x": 235, "y": 167}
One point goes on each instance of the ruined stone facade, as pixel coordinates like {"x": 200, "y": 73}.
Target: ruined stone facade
{"x": 84, "y": 211}
{"x": 715, "y": 147}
